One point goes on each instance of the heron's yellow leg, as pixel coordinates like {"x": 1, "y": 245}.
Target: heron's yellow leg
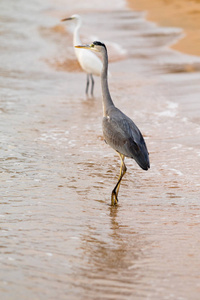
{"x": 115, "y": 191}
{"x": 113, "y": 199}
{"x": 122, "y": 172}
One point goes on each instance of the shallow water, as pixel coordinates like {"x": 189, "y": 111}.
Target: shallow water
{"x": 59, "y": 236}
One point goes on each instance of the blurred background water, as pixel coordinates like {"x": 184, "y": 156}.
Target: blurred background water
{"x": 59, "y": 235}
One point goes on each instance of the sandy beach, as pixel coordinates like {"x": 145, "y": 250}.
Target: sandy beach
{"x": 184, "y": 14}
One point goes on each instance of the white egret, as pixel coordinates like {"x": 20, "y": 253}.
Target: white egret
{"x": 119, "y": 131}
{"x": 89, "y": 62}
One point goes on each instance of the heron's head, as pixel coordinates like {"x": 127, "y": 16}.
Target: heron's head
{"x": 95, "y": 46}
{"x": 73, "y": 17}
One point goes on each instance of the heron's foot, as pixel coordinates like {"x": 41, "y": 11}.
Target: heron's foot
{"x": 114, "y": 200}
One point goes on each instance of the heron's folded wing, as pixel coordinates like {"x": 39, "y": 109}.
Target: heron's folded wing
{"x": 120, "y": 135}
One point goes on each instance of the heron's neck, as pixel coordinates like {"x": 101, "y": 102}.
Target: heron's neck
{"x": 107, "y": 101}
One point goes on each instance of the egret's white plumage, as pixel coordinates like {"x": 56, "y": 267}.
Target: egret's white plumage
{"x": 88, "y": 61}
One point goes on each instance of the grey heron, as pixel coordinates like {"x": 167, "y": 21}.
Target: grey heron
{"x": 119, "y": 131}
{"x": 88, "y": 61}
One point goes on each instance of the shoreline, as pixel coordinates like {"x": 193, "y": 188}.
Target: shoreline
{"x": 172, "y": 13}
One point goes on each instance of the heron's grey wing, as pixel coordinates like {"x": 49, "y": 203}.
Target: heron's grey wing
{"x": 119, "y": 134}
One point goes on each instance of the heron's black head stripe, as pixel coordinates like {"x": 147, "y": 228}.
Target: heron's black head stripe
{"x": 99, "y": 44}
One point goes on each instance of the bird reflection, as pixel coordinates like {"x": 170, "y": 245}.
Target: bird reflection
{"x": 110, "y": 248}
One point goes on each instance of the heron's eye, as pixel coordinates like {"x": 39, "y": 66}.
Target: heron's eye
{"x": 92, "y": 45}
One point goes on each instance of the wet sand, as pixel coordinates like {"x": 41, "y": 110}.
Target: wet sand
{"x": 60, "y": 238}
{"x": 183, "y": 14}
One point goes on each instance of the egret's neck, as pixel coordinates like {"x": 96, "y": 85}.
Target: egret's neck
{"x": 76, "y": 38}
{"x": 107, "y": 101}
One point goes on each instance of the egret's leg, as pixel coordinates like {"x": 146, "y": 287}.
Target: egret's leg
{"x": 92, "y": 88}
{"x": 87, "y": 84}
{"x": 115, "y": 191}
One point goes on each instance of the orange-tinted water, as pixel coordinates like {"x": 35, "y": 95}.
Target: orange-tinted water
{"x": 60, "y": 238}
